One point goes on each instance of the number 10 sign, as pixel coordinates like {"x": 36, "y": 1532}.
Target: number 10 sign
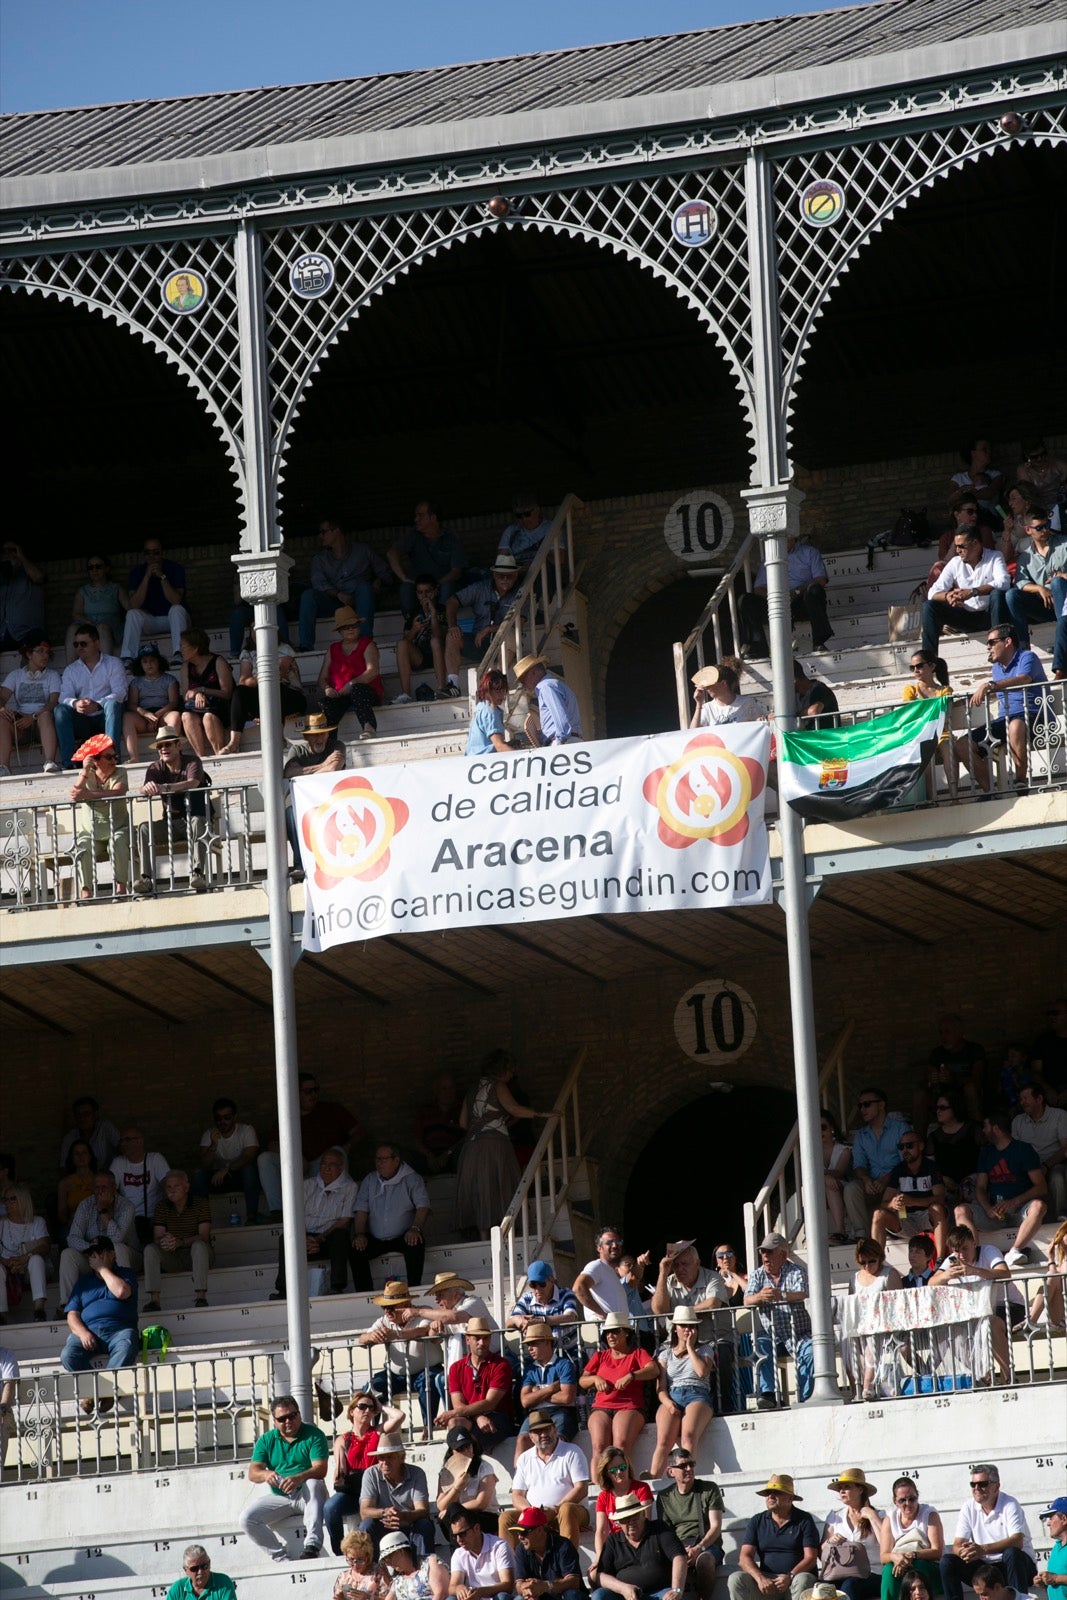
{"x": 715, "y": 1021}
{"x": 699, "y": 526}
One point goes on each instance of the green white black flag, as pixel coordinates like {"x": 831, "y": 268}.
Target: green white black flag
{"x": 835, "y": 774}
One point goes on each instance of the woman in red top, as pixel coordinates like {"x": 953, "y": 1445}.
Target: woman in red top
{"x": 617, "y": 1375}
{"x": 614, "y": 1475}
{"x": 351, "y": 672}
{"x": 367, "y": 1421}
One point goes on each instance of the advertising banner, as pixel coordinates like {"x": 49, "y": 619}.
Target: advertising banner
{"x": 674, "y": 821}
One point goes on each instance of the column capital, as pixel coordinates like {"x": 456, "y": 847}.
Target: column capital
{"x": 774, "y": 509}
{"x": 263, "y": 575}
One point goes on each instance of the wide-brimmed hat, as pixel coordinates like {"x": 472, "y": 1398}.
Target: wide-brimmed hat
{"x": 505, "y": 562}
{"x": 395, "y": 1293}
{"x": 524, "y": 663}
{"x": 826, "y": 1591}
{"x": 393, "y": 1542}
{"x": 774, "y": 1241}
{"x": 167, "y": 736}
{"x": 628, "y": 1505}
{"x": 537, "y": 1330}
{"x": 532, "y": 1517}
{"x": 477, "y": 1325}
{"x": 616, "y": 1321}
{"x": 450, "y": 1280}
{"x": 705, "y": 678}
{"x": 318, "y": 722}
{"x": 684, "y": 1317}
{"x": 388, "y": 1445}
{"x": 852, "y": 1478}
{"x": 97, "y": 744}
{"x": 780, "y": 1483}
{"x": 540, "y": 1419}
{"x": 676, "y": 1248}
{"x": 345, "y": 617}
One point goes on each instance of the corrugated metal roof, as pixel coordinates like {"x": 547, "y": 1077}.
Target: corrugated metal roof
{"x": 203, "y": 125}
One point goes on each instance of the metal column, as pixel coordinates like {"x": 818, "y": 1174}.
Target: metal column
{"x": 774, "y": 513}
{"x": 264, "y": 576}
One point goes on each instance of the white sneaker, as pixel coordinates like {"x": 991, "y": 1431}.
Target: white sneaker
{"x": 1016, "y": 1258}
{"x": 368, "y": 732}
{"x": 402, "y": 700}
{"x": 52, "y": 766}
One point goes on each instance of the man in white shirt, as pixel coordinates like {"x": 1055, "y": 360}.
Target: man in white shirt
{"x": 553, "y": 1475}
{"x": 598, "y": 1285}
{"x": 961, "y": 598}
{"x": 991, "y": 1526}
{"x": 1045, "y": 1127}
{"x": 228, "y": 1155}
{"x": 103, "y": 1212}
{"x": 92, "y": 695}
{"x": 482, "y": 1564}
{"x": 329, "y": 1205}
{"x": 139, "y": 1175}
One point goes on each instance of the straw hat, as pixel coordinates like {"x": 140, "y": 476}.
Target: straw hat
{"x": 826, "y": 1591}
{"x": 318, "y": 722}
{"x": 628, "y": 1505}
{"x": 540, "y": 1419}
{"x": 684, "y": 1317}
{"x": 852, "y": 1478}
{"x": 505, "y": 562}
{"x": 524, "y": 663}
{"x": 678, "y": 1246}
{"x": 166, "y": 736}
{"x": 780, "y": 1483}
{"x": 389, "y": 1445}
{"x": 705, "y": 678}
{"x": 450, "y": 1280}
{"x": 616, "y": 1321}
{"x": 477, "y": 1325}
{"x": 537, "y": 1330}
{"x": 395, "y": 1293}
{"x": 345, "y": 617}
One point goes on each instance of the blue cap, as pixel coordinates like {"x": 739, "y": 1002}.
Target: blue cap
{"x": 1057, "y": 1508}
{"x": 539, "y": 1272}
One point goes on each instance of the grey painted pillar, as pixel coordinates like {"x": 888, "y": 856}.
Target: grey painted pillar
{"x": 264, "y": 578}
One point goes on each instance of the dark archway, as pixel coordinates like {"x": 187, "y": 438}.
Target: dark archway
{"x": 639, "y": 694}
{"x": 948, "y": 323}
{"x": 700, "y": 1167}
{"x": 515, "y": 357}
{"x": 103, "y": 437}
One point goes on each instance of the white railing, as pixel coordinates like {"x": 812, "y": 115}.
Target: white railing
{"x": 778, "y": 1206}
{"x": 541, "y": 1197}
{"x": 692, "y": 652}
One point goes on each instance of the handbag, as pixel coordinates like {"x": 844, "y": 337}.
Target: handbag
{"x": 838, "y": 1559}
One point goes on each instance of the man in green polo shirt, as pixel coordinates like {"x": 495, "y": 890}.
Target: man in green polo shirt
{"x": 289, "y": 1463}
{"x": 692, "y": 1508}
{"x": 198, "y": 1582}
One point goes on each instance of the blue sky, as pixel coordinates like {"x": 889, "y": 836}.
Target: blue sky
{"x": 84, "y": 52}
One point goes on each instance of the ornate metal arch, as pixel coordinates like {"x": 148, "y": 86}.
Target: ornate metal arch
{"x": 878, "y": 178}
{"x": 125, "y": 284}
{"x": 631, "y": 218}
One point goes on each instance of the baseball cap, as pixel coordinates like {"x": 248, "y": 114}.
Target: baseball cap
{"x": 539, "y": 1272}
{"x": 1058, "y": 1508}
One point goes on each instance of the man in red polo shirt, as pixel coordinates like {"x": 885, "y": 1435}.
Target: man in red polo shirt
{"x": 480, "y": 1388}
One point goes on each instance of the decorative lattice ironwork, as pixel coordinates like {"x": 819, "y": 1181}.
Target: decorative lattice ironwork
{"x": 632, "y": 218}
{"x": 878, "y": 179}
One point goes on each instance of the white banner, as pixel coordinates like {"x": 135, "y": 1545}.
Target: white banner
{"x": 673, "y": 822}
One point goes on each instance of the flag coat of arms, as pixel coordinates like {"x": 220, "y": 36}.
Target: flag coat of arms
{"x": 838, "y": 774}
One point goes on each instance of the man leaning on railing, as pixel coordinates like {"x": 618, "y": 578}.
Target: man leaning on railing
{"x": 778, "y": 1289}
{"x": 185, "y": 814}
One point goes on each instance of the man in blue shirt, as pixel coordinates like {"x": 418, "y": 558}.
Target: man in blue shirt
{"x": 558, "y": 719}
{"x": 545, "y": 1301}
{"x": 1010, "y": 1189}
{"x": 875, "y": 1152}
{"x": 780, "y": 1544}
{"x": 1011, "y": 670}
{"x": 102, "y": 1314}
{"x": 157, "y": 595}
{"x": 807, "y": 578}
{"x": 525, "y": 536}
{"x": 490, "y": 599}
{"x": 549, "y": 1386}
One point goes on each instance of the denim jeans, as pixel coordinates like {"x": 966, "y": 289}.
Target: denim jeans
{"x": 1020, "y": 608}
{"x": 803, "y": 1359}
{"x": 314, "y": 603}
{"x": 122, "y": 1348}
{"x": 430, "y": 1397}
{"x": 72, "y": 726}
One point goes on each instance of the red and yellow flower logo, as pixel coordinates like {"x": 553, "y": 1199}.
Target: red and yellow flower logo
{"x": 705, "y": 794}
{"x": 350, "y": 833}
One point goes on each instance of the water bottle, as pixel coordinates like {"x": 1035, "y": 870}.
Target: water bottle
{"x": 235, "y": 1217}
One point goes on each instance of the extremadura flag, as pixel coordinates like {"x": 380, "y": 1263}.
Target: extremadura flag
{"x": 837, "y": 774}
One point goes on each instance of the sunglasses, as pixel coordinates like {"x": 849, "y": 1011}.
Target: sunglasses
{"x": 907, "y": 1499}
{"x": 287, "y": 1416}
{"x": 620, "y": 1466}
{"x": 724, "y": 1255}
{"x": 942, "y": 1105}
{"x": 980, "y": 1483}
{"x": 199, "y": 1566}
{"x": 865, "y": 1105}
{"x": 365, "y": 1405}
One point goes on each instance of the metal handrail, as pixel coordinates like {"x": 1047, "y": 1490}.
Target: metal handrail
{"x": 690, "y": 653}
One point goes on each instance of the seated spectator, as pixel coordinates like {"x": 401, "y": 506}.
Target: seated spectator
{"x": 1059, "y": 646}
{"x": 1040, "y": 588}
{"x": 735, "y": 1278}
{"x": 985, "y": 482}
{"x": 482, "y": 1563}
{"x": 76, "y": 1184}
{"x": 953, "y": 1146}
{"x": 91, "y": 1125}
{"x": 778, "y": 1289}
{"x": 875, "y": 1154}
{"x": 1053, "y": 1574}
{"x": 557, "y": 718}
{"x": 412, "y": 1579}
{"x": 9, "y": 1377}
{"x": 467, "y": 1480}
{"x": 438, "y": 1132}
{"x": 156, "y": 589}
{"x": 413, "y": 1361}
{"x": 479, "y": 1388}
{"x": 422, "y": 642}
{"x": 991, "y": 1526}
{"x": 206, "y": 692}
{"x": 524, "y": 537}
{"x": 344, "y": 572}
{"x": 394, "y": 1498}
{"x": 1042, "y": 470}
{"x": 692, "y": 1508}
{"x": 549, "y": 1386}
{"x": 362, "y": 1577}
{"x": 1045, "y": 1128}
{"x": 353, "y": 1451}
{"x": 967, "y": 518}
{"x": 1021, "y": 498}
{"x": 930, "y": 681}
{"x": 350, "y": 677}
{"x": 1021, "y": 708}
{"x": 139, "y": 1174}
{"x": 426, "y": 548}
{"x": 683, "y": 1280}
{"x": 229, "y": 1151}
{"x": 922, "y": 1257}
{"x": 871, "y": 1277}
{"x": 392, "y": 1208}
{"x": 152, "y": 701}
{"x": 855, "y": 1523}
{"x": 92, "y": 695}
{"x": 198, "y": 1578}
{"x": 955, "y": 1063}
{"x": 456, "y": 1305}
{"x": 323, "y": 1124}
{"x": 545, "y": 1562}
{"x": 597, "y": 1286}
{"x": 718, "y": 698}
{"x": 182, "y": 1240}
{"x": 329, "y": 1204}
{"x": 103, "y": 1214}
{"x": 912, "y": 1542}
{"x": 989, "y": 1582}
{"x": 24, "y": 1250}
{"x": 817, "y": 705}
{"x": 245, "y": 707}
{"x": 101, "y": 1315}
{"x": 613, "y": 1475}
{"x": 28, "y": 700}
{"x": 101, "y": 601}
{"x": 781, "y": 1544}
{"x": 21, "y": 598}
{"x": 554, "y": 1477}
{"x": 837, "y": 1158}
{"x": 616, "y": 1375}
{"x": 486, "y": 733}
{"x": 686, "y": 1374}
{"x": 913, "y": 1200}
{"x": 1056, "y": 1271}
{"x": 807, "y": 579}
{"x": 643, "y": 1560}
{"x": 319, "y": 750}
{"x": 178, "y": 781}
{"x": 288, "y": 1466}
{"x": 971, "y": 1265}
{"x": 1010, "y": 1190}
{"x": 545, "y": 1301}
{"x": 101, "y": 818}
{"x": 961, "y": 597}
{"x": 490, "y": 599}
